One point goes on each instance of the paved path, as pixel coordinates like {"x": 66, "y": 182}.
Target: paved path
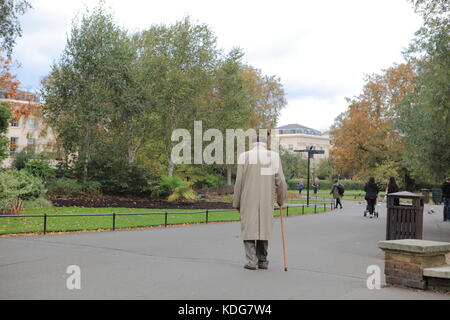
{"x": 328, "y": 255}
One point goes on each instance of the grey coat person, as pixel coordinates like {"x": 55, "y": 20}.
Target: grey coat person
{"x": 259, "y": 177}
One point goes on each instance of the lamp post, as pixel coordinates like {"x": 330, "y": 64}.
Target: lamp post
{"x": 311, "y": 152}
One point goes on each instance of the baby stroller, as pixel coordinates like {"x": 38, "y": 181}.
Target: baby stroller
{"x": 375, "y": 212}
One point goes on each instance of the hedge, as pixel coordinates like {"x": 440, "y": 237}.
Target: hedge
{"x": 326, "y": 184}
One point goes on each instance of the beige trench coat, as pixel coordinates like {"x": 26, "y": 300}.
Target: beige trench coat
{"x": 335, "y": 191}
{"x": 254, "y": 189}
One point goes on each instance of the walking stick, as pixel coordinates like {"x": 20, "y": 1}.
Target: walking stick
{"x": 282, "y": 237}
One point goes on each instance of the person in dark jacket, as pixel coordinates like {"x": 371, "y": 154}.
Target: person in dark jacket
{"x": 392, "y": 187}
{"x": 371, "y": 189}
{"x": 446, "y": 198}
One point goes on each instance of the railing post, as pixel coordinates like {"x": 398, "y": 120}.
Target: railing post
{"x": 165, "y": 219}
{"x": 207, "y": 216}
{"x": 114, "y": 221}
{"x": 287, "y": 211}
{"x": 45, "y": 223}
{"x": 315, "y": 208}
{"x": 303, "y": 209}
{"x": 324, "y": 207}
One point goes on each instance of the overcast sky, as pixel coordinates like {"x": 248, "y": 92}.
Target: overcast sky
{"x": 321, "y": 49}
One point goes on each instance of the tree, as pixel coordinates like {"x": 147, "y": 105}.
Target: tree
{"x": 424, "y": 113}
{"x": 364, "y": 137}
{"x": 267, "y": 98}
{"x": 10, "y": 28}
{"x": 179, "y": 61}
{"x": 8, "y": 82}
{"x": 91, "y": 92}
{"x": 294, "y": 165}
{"x": 5, "y": 118}
{"x": 323, "y": 168}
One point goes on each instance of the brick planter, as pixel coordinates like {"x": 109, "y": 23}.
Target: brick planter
{"x": 406, "y": 260}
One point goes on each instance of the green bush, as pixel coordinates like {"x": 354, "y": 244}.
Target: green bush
{"x": 210, "y": 180}
{"x": 64, "y": 187}
{"x": 17, "y": 186}
{"x": 117, "y": 177}
{"x": 5, "y": 117}
{"x": 37, "y": 203}
{"x": 22, "y": 158}
{"x": 92, "y": 187}
{"x": 173, "y": 188}
{"x": 40, "y": 169}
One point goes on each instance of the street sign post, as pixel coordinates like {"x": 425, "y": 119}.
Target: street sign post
{"x": 311, "y": 152}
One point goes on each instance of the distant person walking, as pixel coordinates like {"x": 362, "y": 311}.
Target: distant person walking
{"x": 300, "y": 187}
{"x": 337, "y": 190}
{"x": 315, "y": 187}
{"x": 253, "y": 198}
{"x": 392, "y": 187}
{"x": 446, "y": 198}
{"x": 371, "y": 189}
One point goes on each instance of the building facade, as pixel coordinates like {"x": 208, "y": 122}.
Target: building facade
{"x": 297, "y": 137}
{"x": 27, "y": 132}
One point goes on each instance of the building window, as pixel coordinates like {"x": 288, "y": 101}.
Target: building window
{"x": 31, "y": 124}
{"x": 31, "y": 141}
{"x": 14, "y": 142}
{"x": 15, "y": 123}
{"x": 291, "y": 147}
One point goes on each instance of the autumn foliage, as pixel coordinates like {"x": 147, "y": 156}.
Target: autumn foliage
{"x": 363, "y": 137}
{"x": 9, "y": 89}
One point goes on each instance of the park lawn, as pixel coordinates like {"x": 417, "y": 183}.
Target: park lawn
{"x": 175, "y": 217}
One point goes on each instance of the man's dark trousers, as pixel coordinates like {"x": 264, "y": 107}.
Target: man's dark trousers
{"x": 256, "y": 251}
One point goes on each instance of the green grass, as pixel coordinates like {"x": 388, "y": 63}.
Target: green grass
{"x": 176, "y": 217}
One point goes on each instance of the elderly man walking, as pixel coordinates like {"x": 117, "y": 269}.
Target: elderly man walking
{"x": 259, "y": 177}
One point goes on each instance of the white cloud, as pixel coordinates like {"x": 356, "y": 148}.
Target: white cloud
{"x": 321, "y": 49}
{"x": 315, "y": 112}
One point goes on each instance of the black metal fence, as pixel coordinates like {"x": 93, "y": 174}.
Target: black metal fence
{"x": 113, "y": 215}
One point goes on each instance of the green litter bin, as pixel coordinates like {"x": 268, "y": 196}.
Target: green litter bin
{"x": 437, "y": 195}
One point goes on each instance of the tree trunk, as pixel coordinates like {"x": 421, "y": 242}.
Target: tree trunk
{"x": 170, "y": 168}
{"x": 229, "y": 176}
{"x": 86, "y": 156}
{"x": 130, "y": 153}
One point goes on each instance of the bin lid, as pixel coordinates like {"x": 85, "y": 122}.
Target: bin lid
{"x": 405, "y": 194}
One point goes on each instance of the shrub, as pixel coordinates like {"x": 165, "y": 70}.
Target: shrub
{"x": 210, "y": 180}
{"x": 92, "y": 187}
{"x": 326, "y": 184}
{"x": 17, "y": 186}
{"x": 173, "y": 188}
{"x": 40, "y": 169}
{"x": 64, "y": 187}
{"x": 118, "y": 177}
{"x": 37, "y": 203}
{"x": 22, "y": 158}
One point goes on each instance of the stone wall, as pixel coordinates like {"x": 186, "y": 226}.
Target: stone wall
{"x": 406, "y": 261}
